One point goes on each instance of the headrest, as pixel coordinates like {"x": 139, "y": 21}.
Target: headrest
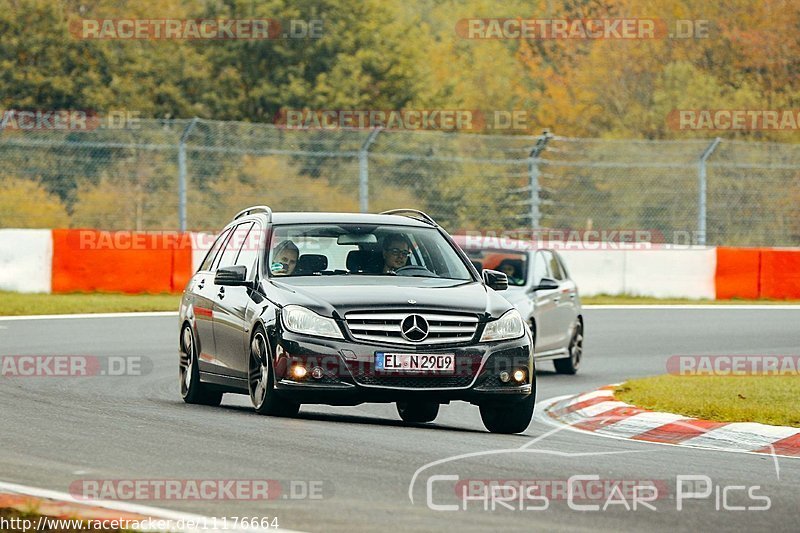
{"x": 364, "y": 261}
{"x": 311, "y": 263}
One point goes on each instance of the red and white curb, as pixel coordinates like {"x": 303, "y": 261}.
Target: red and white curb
{"x": 601, "y": 413}
{"x": 59, "y": 505}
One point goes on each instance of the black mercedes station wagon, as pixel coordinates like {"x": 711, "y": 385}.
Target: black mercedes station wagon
{"x": 342, "y": 309}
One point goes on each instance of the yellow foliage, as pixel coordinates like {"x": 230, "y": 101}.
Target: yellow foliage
{"x": 26, "y": 204}
{"x": 275, "y": 182}
{"x": 118, "y": 205}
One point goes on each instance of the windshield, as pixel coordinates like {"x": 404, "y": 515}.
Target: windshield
{"x": 358, "y": 249}
{"x": 512, "y": 264}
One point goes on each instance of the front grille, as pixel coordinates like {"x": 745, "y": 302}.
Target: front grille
{"x": 414, "y": 382}
{"x": 466, "y": 368}
{"x": 384, "y": 326}
{"x": 492, "y": 381}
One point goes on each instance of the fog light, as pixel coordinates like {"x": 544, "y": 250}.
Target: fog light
{"x": 519, "y": 376}
{"x": 299, "y": 371}
{"x": 316, "y": 372}
{"x": 504, "y": 377}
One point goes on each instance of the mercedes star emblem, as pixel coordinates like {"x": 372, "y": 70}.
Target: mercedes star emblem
{"x": 414, "y": 328}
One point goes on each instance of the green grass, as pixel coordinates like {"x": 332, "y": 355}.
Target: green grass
{"x": 764, "y": 399}
{"x": 605, "y": 299}
{"x": 15, "y": 304}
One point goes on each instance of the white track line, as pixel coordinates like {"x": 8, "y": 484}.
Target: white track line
{"x": 156, "y": 513}
{"x": 90, "y": 315}
{"x": 715, "y": 307}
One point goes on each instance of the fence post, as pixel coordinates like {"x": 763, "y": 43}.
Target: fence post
{"x": 182, "y": 174}
{"x": 702, "y": 191}
{"x": 6, "y": 117}
{"x": 363, "y": 171}
{"x": 533, "y": 176}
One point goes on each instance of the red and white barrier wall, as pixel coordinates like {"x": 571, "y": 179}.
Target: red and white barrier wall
{"x": 63, "y": 261}
{"x": 26, "y": 256}
{"x": 661, "y": 273}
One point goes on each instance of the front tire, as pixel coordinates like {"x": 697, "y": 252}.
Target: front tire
{"x": 570, "y": 365}
{"x": 192, "y": 389}
{"x": 508, "y": 417}
{"x": 261, "y": 382}
{"x": 417, "y": 412}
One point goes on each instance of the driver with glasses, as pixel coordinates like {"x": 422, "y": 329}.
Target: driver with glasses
{"x": 396, "y": 249}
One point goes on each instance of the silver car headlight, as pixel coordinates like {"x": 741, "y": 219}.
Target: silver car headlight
{"x": 298, "y": 319}
{"x": 508, "y": 326}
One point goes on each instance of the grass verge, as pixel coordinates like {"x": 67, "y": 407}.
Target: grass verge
{"x": 15, "y": 304}
{"x": 605, "y": 299}
{"x": 764, "y": 399}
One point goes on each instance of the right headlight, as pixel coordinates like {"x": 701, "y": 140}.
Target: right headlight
{"x": 508, "y": 326}
{"x": 301, "y": 320}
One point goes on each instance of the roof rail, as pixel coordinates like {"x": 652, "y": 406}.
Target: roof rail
{"x": 255, "y": 209}
{"x": 411, "y": 213}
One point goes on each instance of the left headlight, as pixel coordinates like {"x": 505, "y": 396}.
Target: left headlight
{"x": 508, "y": 326}
{"x": 298, "y": 319}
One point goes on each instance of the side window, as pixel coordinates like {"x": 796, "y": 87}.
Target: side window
{"x": 212, "y": 252}
{"x": 555, "y": 267}
{"x": 249, "y": 253}
{"x": 234, "y": 245}
{"x": 539, "y": 268}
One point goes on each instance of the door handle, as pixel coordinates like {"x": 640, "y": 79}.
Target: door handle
{"x": 572, "y": 295}
{"x": 221, "y": 294}
{"x": 556, "y": 299}
{"x": 201, "y": 284}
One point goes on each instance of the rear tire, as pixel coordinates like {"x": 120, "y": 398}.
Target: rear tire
{"x": 418, "y": 412}
{"x": 570, "y": 365}
{"x": 261, "y": 382}
{"x": 192, "y": 390}
{"x": 508, "y": 417}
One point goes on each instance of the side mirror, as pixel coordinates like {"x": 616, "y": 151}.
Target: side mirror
{"x": 546, "y": 284}
{"x": 233, "y": 276}
{"x": 494, "y": 279}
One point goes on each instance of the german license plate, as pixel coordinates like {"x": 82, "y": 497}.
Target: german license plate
{"x": 415, "y": 362}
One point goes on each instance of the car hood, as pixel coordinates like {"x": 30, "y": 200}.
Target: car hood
{"x": 335, "y": 296}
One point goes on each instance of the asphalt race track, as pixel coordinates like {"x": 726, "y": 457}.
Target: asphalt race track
{"x": 56, "y": 431}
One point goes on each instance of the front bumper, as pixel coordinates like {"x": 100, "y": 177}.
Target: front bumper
{"x": 349, "y": 376}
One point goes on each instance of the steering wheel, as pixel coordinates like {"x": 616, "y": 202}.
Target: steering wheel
{"x": 415, "y": 270}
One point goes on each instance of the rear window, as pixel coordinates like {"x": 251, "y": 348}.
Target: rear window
{"x": 513, "y": 264}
